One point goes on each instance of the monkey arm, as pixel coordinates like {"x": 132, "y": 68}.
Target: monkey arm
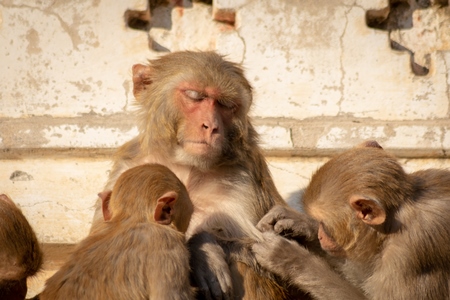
{"x": 303, "y": 269}
{"x": 209, "y": 267}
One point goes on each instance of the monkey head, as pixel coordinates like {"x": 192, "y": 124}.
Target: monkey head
{"x": 20, "y": 252}
{"x": 354, "y": 197}
{"x": 148, "y": 193}
{"x": 193, "y": 108}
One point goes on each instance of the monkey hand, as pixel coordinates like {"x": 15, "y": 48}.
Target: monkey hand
{"x": 210, "y": 270}
{"x": 281, "y": 256}
{"x": 301, "y": 268}
{"x": 289, "y": 223}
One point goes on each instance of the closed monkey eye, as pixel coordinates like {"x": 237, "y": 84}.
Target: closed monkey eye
{"x": 227, "y": 104}
{"x": 194, "y": 95}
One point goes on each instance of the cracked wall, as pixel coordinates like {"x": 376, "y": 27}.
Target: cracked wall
{"x": 324, "y": 80}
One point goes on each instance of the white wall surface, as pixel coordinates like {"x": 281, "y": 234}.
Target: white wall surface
{"x": 324, "y": 81}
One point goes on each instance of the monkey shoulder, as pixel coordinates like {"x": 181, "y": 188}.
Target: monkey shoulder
{"x": 432, "y": 184}
{"x": 419, "y": 245}
{"x": 434, "y": 174}
{"x": 423, "y": 223}
{"x": 128, "y": 151}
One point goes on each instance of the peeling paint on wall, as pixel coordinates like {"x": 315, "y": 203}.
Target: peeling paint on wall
{"x": 323, "y": 81}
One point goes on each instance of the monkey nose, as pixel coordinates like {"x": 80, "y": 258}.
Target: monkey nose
{"x": 211, "y": 128}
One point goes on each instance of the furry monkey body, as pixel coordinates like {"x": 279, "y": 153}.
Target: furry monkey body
{"x": 389, "y": 229}
{"x": 140, "y": 251}
{"x": 194, "y": 120}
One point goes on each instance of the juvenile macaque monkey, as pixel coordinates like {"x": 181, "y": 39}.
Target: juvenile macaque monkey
{"x": 139, "y": 252}
{"x": 390, "y": 229}
{"x": 20, "y": 253}
{"x": 194, "y": 119}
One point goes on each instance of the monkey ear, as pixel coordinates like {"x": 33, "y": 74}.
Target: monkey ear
{"x": 106, "y": 196}
{"x": 5, "y": 198}
{"x": 370, "y": 144}
{"x": 164, "y": 208}
{"x": 369, "y": 211}
{"x": 141, "y": 78}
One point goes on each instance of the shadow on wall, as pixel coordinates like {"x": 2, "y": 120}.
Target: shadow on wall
{"x": 399, "y": 15}
{"x": 158, "y": 14}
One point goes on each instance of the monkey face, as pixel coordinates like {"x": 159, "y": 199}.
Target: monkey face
{"x": 328, "y": 243}
{"x": 206, "y": 120}
{"x": 194, "y": 109}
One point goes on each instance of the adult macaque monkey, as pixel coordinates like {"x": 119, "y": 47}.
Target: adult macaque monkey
{"x": 194, "y": 119}
{"x": 140, "y": 251}
{"x": 20, "y": 253}
{"x": 391, "y": 230}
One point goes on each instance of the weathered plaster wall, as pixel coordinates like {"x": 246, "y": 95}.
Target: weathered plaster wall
{"x": 324, "y": 81}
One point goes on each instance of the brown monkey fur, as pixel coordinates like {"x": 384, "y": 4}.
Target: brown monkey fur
{"x": 20, "y": 253}
{"x": 194, "y": 119}
{"x": 390, "y": 229}
{"x": 139, "y": 252}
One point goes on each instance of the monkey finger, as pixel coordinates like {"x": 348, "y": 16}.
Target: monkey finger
{"x": 271, "y": 218}
{"x": 203, "y": 289}
{"x": 281, "y": 247}
{"x": 227, "y": 287}
{"x": 221, "y": 286}
{"x": 268, "y": 243}
{"x": 266, "y": 223}
{"x": 264, "y": 227}
{"x": 296, "y": 229}
{"x": 216, "y": 282}
{"x": 261, "y": 251}
{"x": 266, "y": 254}
{"x": 284, "y": 227}
{"x": 211, "y": 287}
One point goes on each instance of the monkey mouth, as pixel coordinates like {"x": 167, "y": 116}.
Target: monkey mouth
{"x": 196, "y": 147}
{"x": 195, "y": 143}
{"x": 200, "y": 148}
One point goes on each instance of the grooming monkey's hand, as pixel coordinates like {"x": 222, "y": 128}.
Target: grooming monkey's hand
{"x": 280, "y": 255}
{"x": 289, "y": 223}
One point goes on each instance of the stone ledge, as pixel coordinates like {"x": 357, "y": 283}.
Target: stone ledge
{"x": 58, "y": 195}
{"x": 299, "y": 152}
{"x": 94, "y": 136}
